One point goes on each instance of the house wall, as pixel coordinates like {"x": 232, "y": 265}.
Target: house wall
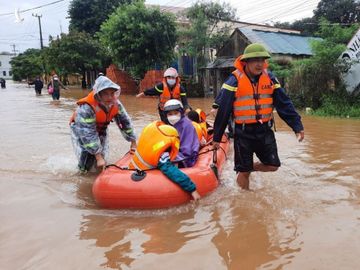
{"x": 151, "y": 78}
{"x": 235, "y": 46}
{"x": 5, "y": 67}
{"x": 122, "y": 78}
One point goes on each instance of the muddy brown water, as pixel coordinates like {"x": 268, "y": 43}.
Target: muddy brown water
{"x": 304, "y": 216}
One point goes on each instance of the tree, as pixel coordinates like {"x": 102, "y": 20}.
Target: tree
{"x": 206, "y": 30}
{"x": 75, "y": 52}
{"x": 139, "y": 37}
{"x": 27, "y": 64}
{"x": 308, "y": 26}
{"x": 320, "y": 74}
{"x": 88, "y": 15}
{"x": 338, "y": 11}
{"x": 344, "y": 12}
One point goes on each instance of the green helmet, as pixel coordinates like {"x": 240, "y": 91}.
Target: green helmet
{"x": 255, "y": 50}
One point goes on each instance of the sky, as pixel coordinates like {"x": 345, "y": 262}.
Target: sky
{"x": 25, "y": 34}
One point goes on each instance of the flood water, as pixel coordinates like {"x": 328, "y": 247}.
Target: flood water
{"x": 304, "y": 216}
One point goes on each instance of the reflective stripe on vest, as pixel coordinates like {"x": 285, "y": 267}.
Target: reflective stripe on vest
{"x": 251, "y": 117}
{"x": 142, "y": 161}
{"x": 253, "y": 103}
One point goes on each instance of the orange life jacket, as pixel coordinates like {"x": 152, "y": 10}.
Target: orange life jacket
{"x": 168, "y": 94}
{"x": 199, "y": 131}
{"x": 155, "y": 139}
{"x": 202, "y": 116}
{"x": 253, "y": 103}
{"x": 102, "y": 118}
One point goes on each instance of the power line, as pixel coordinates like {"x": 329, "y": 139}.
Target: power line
{"x": 281, "y": 8}
{"x": 25, "y": 10}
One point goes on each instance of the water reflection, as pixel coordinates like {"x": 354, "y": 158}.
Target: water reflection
{"x": 129, "y": 238}
{"x": 230, "y": 235}
{"x": 303, "y": 216}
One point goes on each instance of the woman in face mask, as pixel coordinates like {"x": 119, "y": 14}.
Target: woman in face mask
{"x": 189, "y": 142}
{"x": 170, "y": 88}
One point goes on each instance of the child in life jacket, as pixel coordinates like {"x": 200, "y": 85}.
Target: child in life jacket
{"x": 198, "y": 118}
{"x": 158, "y": 145}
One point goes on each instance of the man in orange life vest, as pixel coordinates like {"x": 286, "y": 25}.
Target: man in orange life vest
{"x": 250, "y": 94}
{"x": 170, "y": 88}
{"x": 90, "y": 120}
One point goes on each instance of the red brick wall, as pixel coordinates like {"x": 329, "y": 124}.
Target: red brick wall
{"x": 152, "y": 77}
{"x": 122, "y": 78}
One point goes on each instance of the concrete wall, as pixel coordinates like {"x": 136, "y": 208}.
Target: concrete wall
{"x": 5, "y": 67}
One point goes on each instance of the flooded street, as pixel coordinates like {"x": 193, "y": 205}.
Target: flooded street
{"x": 304, "y": 216}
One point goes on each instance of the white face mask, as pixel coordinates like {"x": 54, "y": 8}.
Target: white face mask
{"x": 171, "y": 82}
{"x": 173, "y": 119}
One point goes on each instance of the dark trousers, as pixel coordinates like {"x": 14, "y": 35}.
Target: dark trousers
{"x": 56, "y": 95}
{"x": 86, "y": 161}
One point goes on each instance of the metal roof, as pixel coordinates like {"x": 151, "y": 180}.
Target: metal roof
{"x": 221, "y": 63}
{"x": 280, "y": 43}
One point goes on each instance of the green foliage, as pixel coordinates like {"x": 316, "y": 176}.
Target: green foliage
{"x": 75, "y": 52}
{"x": 340, "y": 104}
{"x": 27, "y": 64}
{"x": 88, "y": 15}
{"x": 205, "y": 31}
{"x": 338, "y": 11}
{"x": 280, "y": 71}
{"x": 320, "y": 74}
{"x": 307, "y": 26}
{"x": 334, "y": 11}
{"x": 139, "y": 37}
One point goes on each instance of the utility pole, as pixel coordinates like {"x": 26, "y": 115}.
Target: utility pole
{"x": 14, "y": 49}
{"x": 41, "y": 39}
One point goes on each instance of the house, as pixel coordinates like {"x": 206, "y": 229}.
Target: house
{"x": 5, "y": 67}
{"x": 285, "y": 45}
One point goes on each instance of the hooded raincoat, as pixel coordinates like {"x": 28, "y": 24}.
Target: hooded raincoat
{"x": 85, "y": 136}
{"x": 189, "y": 142}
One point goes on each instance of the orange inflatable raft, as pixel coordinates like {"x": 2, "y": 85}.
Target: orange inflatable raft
{"x": 114, "y": 187}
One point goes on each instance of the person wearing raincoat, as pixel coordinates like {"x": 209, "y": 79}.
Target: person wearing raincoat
{"x": 90, "y": 120}
{"x": 189, "y": 142}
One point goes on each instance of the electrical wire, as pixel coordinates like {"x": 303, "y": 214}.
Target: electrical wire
{"x": 29, "y": 9}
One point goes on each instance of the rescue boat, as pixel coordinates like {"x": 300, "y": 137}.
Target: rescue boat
{"x": 115, "y": 188}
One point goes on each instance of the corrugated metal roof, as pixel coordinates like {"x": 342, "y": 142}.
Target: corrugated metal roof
{"x": 222, "y": 63}
{"x": 280, "y": 43}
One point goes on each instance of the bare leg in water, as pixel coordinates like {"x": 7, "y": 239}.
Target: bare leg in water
{"x": 243, "y": 177}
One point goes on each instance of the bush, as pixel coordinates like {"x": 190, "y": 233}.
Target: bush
{"x": 340, "y": 104}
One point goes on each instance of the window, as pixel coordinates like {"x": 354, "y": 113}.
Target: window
{"x": 4, "y": 73}
{"x": 10, "y": 73}
{"x": 0, "y": 63}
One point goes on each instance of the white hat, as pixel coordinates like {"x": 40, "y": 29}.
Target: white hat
{"x": 171, "y": 72}
{"x": 172, "y": 105}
